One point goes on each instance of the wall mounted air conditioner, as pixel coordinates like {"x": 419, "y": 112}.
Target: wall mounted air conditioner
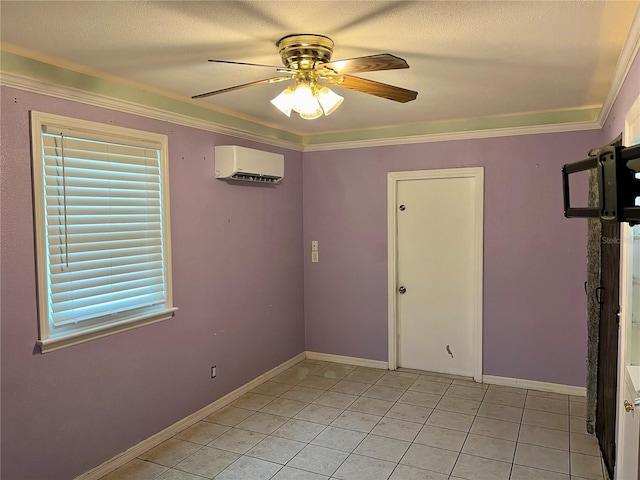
{"x": 240, "y": 163}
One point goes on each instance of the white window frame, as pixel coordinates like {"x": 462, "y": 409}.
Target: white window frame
{"x": 53, "y": 337}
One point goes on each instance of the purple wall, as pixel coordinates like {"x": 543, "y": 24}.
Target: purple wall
{"x": 534, "y": 258}
{"x": 237, "y": 279}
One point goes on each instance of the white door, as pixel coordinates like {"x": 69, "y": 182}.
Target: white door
{"x": 439, "y": 271}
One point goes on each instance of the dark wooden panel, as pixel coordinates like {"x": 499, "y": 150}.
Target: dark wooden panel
{"x": 608, "y": 344}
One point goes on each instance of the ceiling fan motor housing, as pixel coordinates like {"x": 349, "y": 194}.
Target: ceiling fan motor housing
{"x": 304, "y": 51}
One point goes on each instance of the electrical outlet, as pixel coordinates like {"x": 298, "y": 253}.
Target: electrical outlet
{"x": 213, "y": 371}
{"x": 314, "y": 257}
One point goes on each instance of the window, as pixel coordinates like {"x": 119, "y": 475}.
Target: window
{"x": 101, "y": 196}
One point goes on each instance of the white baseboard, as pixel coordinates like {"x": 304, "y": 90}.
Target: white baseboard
{"x": 535, "y": 385}
{"x": 138, "y": 449}
{"x": 360, "y": 362}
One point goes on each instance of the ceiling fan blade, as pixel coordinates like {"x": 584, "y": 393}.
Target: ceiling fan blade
{"x": 378, "y": 89}
{"x": 370, "y": 63}
{"x": 244, "y": 85}
{"x": 244, "y": 63}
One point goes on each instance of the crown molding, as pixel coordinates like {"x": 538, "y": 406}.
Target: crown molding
{"x": 461, "y": 135}
{"x": 625, "y": 61}
{"x": 32, "y": 85}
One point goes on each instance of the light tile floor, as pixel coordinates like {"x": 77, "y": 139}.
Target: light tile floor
{"x": 321, "y": 420}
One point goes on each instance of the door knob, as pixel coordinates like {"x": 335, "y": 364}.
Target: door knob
{"x": 627, "y": 406}
{"x": 402, "y": 290}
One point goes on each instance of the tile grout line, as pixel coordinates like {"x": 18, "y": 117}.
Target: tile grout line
{"x": 467, "y": 433}
{"x": 515, "y": 448}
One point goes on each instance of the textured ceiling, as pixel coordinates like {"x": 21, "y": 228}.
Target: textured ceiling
{"x": 468, "y": 60}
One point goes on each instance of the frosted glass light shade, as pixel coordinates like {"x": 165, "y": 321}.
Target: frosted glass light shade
{"x": 329, "y": 100}
{"x": 304, "y": 102}
{"x": 284, "y": 101}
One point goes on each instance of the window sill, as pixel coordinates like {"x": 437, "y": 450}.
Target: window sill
{"x": 56, "y": 343}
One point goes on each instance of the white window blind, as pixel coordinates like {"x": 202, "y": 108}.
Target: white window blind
{"x": 104, "y": 228}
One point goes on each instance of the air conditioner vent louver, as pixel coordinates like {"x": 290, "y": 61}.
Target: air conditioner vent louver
{"x": 233, "y": 162}
{"x": 253, "y": 178}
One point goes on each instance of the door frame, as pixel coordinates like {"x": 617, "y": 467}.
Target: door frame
{"x": 393, "y": 178}
{"x": 626, "y": 298}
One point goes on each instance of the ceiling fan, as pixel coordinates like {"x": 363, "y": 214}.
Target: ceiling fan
{"x": 307, "y": 61}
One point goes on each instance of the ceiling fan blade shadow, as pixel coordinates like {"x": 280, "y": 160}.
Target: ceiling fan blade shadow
{"x": 261, "y": 14}
{"x": 391, "y": 92}
{"x": 160, "y": 56}
{"x": 488, "y": 61}
{"x": 380, "y": 13}
{"x": 370, "y": 63}
{"x": 234, "y": 10}
{"x": 244, "y": 85}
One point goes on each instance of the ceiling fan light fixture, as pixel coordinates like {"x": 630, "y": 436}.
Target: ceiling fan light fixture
{"x": 329, "y": 100}
{"x": 307, "y": 100}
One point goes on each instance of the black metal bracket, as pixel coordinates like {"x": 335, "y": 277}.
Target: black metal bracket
{"x": 598, "y": 294}
{"x": 617, "y": 185}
